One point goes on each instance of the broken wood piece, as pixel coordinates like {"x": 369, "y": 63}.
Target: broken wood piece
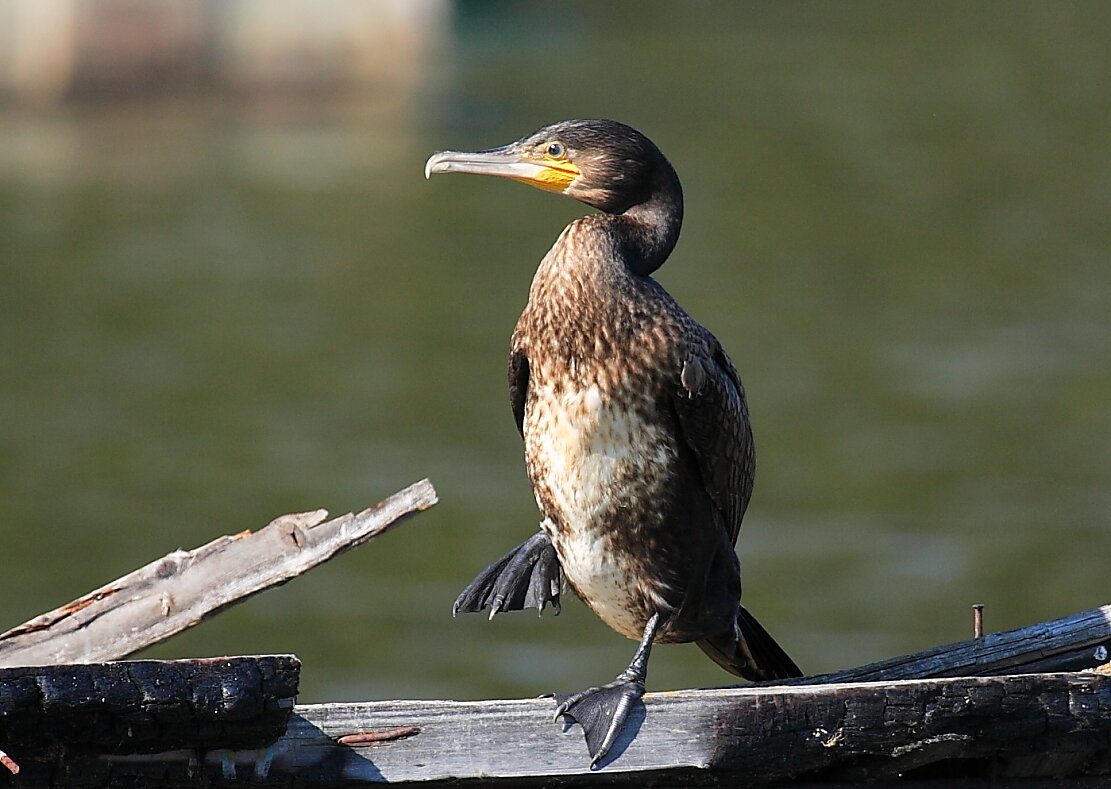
{"x": 145, "y": 706}
{"x": 1071, "y": 643}
{"x": 179, "y": 590}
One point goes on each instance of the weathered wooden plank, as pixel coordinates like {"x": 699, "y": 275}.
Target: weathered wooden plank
{"x": 1070, "y": 643}
{"x": 179, "y": 590}
{"x": 854, "y": 732}
{"x": 147, "y": 705}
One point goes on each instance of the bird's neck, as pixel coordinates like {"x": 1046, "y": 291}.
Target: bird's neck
{"x": 646, "y": 233}
{"x": 601, "y": 260}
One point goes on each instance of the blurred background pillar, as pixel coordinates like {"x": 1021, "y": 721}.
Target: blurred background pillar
{"x": 36, "y": 48}
{"x": 51, "y": 50}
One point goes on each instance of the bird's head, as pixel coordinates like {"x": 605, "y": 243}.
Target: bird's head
{"x": 602, "y": 163}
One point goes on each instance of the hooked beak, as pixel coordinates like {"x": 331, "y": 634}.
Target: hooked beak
{"x": 507, "y": 162}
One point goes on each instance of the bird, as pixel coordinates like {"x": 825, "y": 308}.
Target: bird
{"x": 634, "y": 421}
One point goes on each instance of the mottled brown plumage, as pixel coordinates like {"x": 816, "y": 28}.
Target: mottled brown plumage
{"x": 634, "y": 420}
{"x": 605, "y": 349}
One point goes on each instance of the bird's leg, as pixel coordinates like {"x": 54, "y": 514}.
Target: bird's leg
{"x": 602, "y": 711}
{"x": 529, "y": 576}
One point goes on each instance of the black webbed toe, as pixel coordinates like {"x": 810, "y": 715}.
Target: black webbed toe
{"x": 529, "y": 576}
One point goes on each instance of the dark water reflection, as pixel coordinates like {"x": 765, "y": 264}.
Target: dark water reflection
{"x": 212, "y": 314}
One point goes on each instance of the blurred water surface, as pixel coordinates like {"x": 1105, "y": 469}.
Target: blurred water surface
{"x": 216, "y": 311}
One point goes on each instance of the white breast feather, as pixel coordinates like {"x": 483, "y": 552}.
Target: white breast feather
{"x": 594, "y": 453}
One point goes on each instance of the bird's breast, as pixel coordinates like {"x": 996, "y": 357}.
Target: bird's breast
{"x": 599, "y": 462}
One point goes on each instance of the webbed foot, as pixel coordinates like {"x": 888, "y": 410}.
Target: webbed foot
{"x": 529, "y": 576}
{"x": 603, "y": 711}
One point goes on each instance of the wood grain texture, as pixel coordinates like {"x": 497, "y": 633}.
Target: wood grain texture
{"x": 183, "y": 588}
{"x": 859, "y": 731}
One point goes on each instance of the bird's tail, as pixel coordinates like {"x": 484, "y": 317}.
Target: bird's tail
{"x": 749, "y": 651}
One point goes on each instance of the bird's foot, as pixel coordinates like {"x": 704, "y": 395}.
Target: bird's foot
{"x": 602, "y": 711}
{"x": 529, "y": 576}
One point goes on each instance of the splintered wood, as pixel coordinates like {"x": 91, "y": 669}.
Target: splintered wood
{"x": 183, "y": 588}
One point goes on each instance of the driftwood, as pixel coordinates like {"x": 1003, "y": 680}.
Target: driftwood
{"x": 146, "y": 706}
{"x": 181, "y": 589}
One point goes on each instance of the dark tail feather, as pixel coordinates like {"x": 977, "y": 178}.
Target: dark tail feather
{"x": 750, "y": 652}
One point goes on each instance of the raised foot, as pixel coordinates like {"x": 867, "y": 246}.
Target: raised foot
{"x": 529, "y": 576}
{"x": 602, "y": 711}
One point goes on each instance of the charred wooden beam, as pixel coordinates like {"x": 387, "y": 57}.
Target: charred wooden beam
{"x": 1071, "y": 643}
{"x": 1028, "y": 727}
{"x": 146, "y": 706}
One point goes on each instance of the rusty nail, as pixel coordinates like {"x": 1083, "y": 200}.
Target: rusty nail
{"x": 978, "y": 620}
{"x": 9, "y": 762}
{"x": 368, "y": 737}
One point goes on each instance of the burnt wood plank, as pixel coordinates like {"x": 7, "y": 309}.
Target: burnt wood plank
{"x": 147, "y": 705}
{"x": 970, "y": 728}
{"x": 1072, "y": 643}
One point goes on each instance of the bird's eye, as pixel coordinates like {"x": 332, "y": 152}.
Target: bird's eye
{"x": 556, "y": 150}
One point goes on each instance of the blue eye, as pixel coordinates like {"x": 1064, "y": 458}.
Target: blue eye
{"x": 556, "y": 150}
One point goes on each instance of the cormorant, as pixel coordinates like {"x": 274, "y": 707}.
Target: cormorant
{"x": 634, "y": 420}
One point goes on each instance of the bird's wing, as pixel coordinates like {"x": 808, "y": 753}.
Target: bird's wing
{"x": 713, "y": 421}
{"x": 518, "y": 384}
